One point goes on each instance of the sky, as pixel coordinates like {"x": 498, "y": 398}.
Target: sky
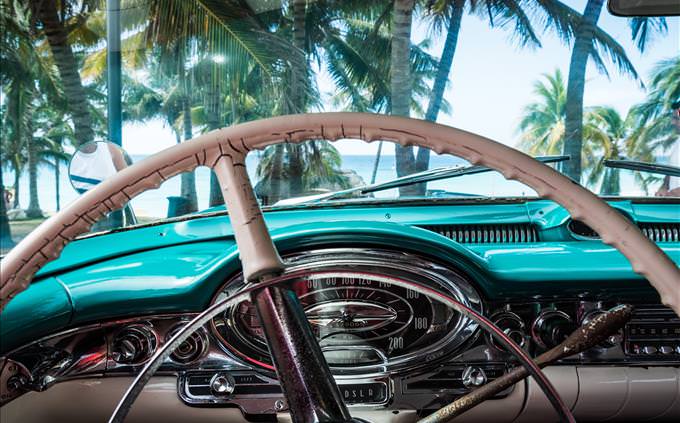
{"x": 491, "y": 81}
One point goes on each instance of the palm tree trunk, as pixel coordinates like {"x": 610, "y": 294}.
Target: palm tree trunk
{"x": 583, "y": 44}
{"x": 5, "y": 230}
{"x": 611, "y": 184}
{"x": 298, "y": 97}
{"x": 57, "y": 189}
{"x": 299, "y": 75}
{"x": 187, "y": 179}
{"x": 400, "y": 83}
{"x": 65, "y": 60}
{"x": 376, "y": 163}
{"x": 441, "y": 78}
{"x": 17, "y": 179}
{"x": 276, "y": 174}
{"x": 33, "y": 210}
{"x": 214, "y": 112}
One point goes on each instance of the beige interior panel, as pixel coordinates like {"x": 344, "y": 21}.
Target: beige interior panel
{"x": 498, "y": 411}
{"x": 593, "y": 381}
{"x": 93, "y": 400}
{"x": 651, "y": 391}
{"x": 673, "y": 412}
{"x": 605, "y": 394}
{"x": 538, "y": 408}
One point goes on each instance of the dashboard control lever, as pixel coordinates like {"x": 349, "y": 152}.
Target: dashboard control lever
{"x": 474, "y": 377}
{"x": 583, "y": 338}
{"x": 222, "y": 384}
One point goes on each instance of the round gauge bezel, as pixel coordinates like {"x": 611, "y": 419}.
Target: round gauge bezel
{"x": 394, "y": 265}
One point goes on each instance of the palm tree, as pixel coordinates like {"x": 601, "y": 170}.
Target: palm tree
{"x": 57, "y": 22}
{"x": 321, "y": 169}
{"x": 52, "y": 154}
{"x": 6, "y": 241}
{"x": 5, "y": 230}
{"x": 187, "y": 179}
{"x": 230, "y": 30}
{"x": 652, "y": 117}
{"x": 613, "y": 137}
{"x": 588, "y": 38}
{"x": 317, "y": 32}
{"x": 29, "y": 80}
{"x": 606, "y": 134}
{"x": 51, "y": 144}
{"x": 449, "y": 14}
{"x": 33, "y": 211}
{"x": 400, "y": 83}
{"x": 13, "y": 148}
{"x": 542, "y": 122}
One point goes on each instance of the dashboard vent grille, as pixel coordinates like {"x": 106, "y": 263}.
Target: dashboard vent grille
{"x": 661, "y": 232}
{"x": 657, "y": 232}
{"x": 486, "y": 234}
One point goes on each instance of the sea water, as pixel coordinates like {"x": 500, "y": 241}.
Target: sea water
{"x": 154, "y": 203}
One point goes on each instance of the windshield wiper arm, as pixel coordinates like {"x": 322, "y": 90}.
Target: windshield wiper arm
{"x": 644, "y": 167}
{"x": 444, "y": 173}
{"x": 425, "y": 176}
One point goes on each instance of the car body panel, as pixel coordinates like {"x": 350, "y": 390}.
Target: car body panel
{"x": 45, "y": 307}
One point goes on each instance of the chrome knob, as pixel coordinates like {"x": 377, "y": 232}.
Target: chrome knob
{"x": 222, "y": 384}
{"x": 666, "y": 349}
{"x": 474, "y": 377}
{"x": 649, "y": 350}
{"x": 133, "y": 345}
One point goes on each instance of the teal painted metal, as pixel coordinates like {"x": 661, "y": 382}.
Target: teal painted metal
{"x": 217, "y": 227}
{"x": 177, "y": 267}
{"x": 546, "y": 215}
{"x": 42, "y": 309}
{"x": 174, "y": 279}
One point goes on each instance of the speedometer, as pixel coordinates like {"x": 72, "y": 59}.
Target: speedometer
{"x": 362, "y": 321}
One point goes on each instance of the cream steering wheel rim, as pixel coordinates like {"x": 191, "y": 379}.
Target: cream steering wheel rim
{"x": 224, "y": 151}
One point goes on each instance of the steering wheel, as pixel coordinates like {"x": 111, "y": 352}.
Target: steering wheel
{"x": 303, "y": 373}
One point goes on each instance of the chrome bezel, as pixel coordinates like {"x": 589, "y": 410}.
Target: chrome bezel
{"x": 202, "y": 336}
{"x": 399, "y": 264}
{"x": 142, "y": 329}
{"x": 540, "y": 320}
{"x": 509, "y": 315}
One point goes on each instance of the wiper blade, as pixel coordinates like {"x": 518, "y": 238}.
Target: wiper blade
{"x": 661, "y": 169}
{"x": 445, "y": 173}
{"x": 425, "y": 176}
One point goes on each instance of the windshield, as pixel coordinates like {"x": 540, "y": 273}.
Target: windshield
{"x": 547, "y": 77}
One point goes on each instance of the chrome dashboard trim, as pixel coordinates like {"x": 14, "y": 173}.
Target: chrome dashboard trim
{"x": 353, "y": 260}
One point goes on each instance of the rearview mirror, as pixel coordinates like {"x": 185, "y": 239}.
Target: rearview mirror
{"x": 644, "y": 7}
{"x": 94, "y": 162}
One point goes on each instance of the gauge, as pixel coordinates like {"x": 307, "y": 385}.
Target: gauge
{"x": 360, "y": 319}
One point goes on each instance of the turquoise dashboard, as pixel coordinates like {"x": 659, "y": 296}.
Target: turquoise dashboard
{"x": 510, "y": 250}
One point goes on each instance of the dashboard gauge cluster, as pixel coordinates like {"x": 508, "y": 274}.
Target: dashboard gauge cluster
{"x": 364, "y": 323}
{"x": 651, "y": 337}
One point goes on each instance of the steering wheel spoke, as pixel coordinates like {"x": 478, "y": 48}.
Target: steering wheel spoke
{"x": 259, "y": 257}
{"x": 305, "y": 378}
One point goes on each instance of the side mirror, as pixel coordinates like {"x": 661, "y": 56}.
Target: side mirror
{"x": 644, "y": 7}
{"x": 94, "y": 162}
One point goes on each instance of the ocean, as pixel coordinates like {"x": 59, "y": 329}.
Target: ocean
{"x": 154, "y": 203}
